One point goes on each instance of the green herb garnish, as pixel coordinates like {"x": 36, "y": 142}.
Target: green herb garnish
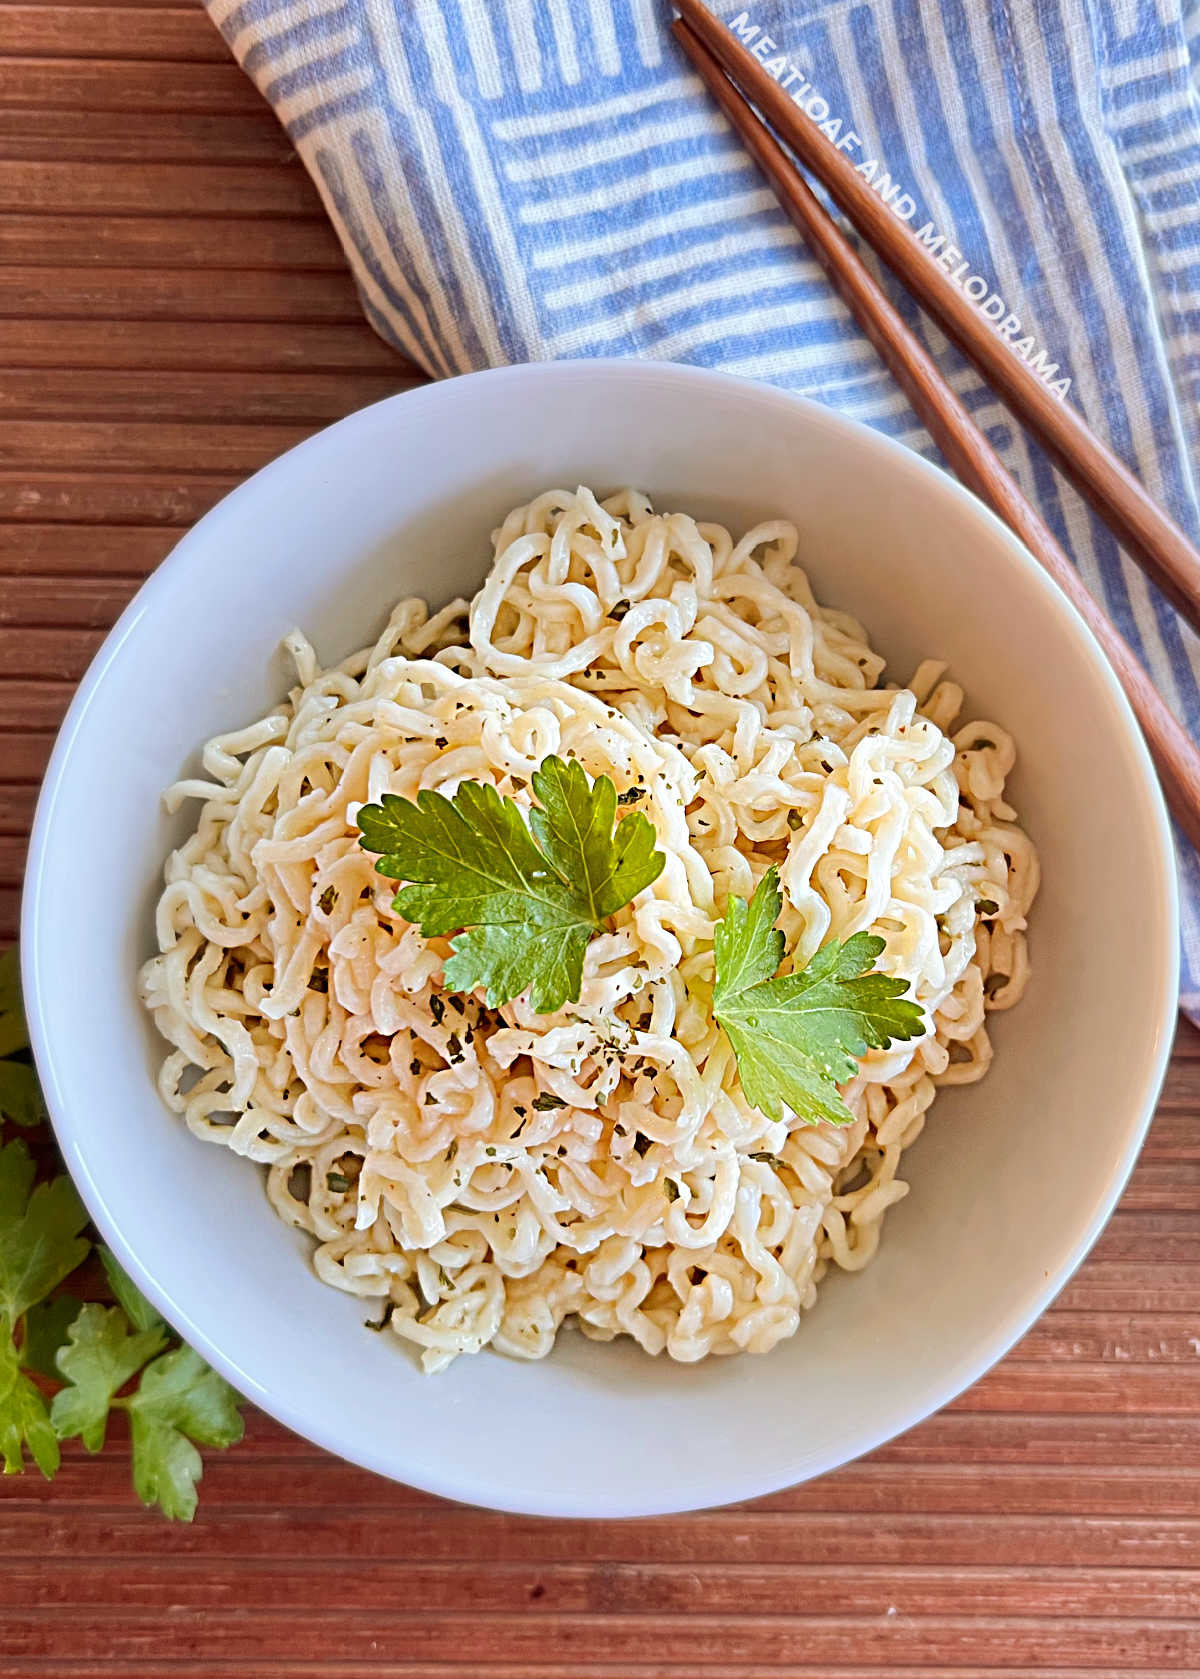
{"x": 100, "y": 1356}
{"x": 20, "y": 1096}
{"x": 178, "y": 1400}
{"x": 796, "y": 1037}
{"x": 40, "y": 1240}
{"x": 46, "y": 1326}
{"x": 40, "y": 1245}
{"x": 530, "y": 891}
{"x": 545, "y": 1103}
{"x": 24, "y": 1418}
{"x": 337, "y": 1181}
{"x": 95, "y": 1351}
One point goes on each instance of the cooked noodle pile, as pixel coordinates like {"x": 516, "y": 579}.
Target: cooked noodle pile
{"x": 486, "y": 1173}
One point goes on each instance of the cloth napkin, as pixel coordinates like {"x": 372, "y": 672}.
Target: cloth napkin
{"x": 521, "y": 180}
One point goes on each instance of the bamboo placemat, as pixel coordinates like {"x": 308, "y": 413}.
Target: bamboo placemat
{"x": 174, "y": 311}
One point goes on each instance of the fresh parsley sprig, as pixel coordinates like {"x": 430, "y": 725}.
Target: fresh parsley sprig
{"x": 94, "y": 1353}
{"x": 179, "y": 1400}
{"x": 521, "y": 896}
{"x": 797, "y": 1036}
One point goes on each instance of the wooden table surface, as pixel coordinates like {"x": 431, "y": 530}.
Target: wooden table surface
{"x": 173, "y": 312}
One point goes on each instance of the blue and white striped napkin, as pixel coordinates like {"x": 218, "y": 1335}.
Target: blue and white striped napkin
{"x": 519, "y": 180}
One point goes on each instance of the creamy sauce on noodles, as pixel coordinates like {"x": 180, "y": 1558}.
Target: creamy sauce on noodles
{"x": 490, "y": 1173}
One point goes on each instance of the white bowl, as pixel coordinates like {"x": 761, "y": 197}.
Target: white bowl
{"x": 1012, "y": 1179}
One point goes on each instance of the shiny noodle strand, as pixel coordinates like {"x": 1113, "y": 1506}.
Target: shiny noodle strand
{"x": 486, "y": 1174}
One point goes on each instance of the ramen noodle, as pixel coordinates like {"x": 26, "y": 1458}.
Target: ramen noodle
{"x": 486, "y": 1174}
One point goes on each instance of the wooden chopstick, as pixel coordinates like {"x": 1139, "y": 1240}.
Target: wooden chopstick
{"x": 964, "y": 446}
{"x": 1142, "y": 528}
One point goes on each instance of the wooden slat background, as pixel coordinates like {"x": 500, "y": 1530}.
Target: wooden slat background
{"x": 174, "y": 311}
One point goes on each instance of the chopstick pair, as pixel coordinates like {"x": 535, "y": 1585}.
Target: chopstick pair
{"x": 1162, "y": 550}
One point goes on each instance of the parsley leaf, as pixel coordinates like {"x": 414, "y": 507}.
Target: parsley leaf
{"x": 40, "y": 1242}
{"x": 24, "y": 1418}
{"x": 99, "y": 1358}
{"x": 797, "y": 1037}
{"x": 529, "y": 893}
{"x": 128, "y": 1296}
{"x": 14, "y": 1034}
{"x": 180, "y": 1400}
{"x": 46, "y": 1326}
{"x": 20, "y": 1094}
